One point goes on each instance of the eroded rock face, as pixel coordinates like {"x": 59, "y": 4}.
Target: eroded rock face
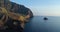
{"x": 16, "y": 8}
{"x": 21, "y": 9}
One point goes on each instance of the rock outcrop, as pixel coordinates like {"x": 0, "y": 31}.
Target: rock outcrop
{"x": 16, "y": 8}
{"x": 21, "y": 9}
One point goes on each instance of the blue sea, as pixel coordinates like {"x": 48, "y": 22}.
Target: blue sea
{"x": 37, "y": 24}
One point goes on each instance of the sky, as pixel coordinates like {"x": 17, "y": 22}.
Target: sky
{"x": 41, "y": 7}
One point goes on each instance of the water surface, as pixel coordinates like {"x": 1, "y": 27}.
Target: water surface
{"x": 37, "y": 24}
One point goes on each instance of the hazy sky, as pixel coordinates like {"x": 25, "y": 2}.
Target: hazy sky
{"x": 42, "y": 7}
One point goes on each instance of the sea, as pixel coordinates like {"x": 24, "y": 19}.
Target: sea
{"x": 38, "y": 24}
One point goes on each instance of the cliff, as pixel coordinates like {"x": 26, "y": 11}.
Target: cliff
{"x": 16, "y": 8}
{"x": 21, "y": 9}
{"x": 7, "y": 7}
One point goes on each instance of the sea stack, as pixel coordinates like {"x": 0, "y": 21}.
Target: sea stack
{"x": 45, "y": 18}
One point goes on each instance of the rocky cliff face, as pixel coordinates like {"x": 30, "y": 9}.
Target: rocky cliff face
{"x": 21, "y": 9}
{"x": 14, "y": 7}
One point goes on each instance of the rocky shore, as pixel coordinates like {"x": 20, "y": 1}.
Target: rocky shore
{"x": 13, "y": 24}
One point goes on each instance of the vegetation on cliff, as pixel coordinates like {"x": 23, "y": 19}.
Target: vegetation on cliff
{"x": 21, "y": 9}
{"x": 13, "y": 15}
